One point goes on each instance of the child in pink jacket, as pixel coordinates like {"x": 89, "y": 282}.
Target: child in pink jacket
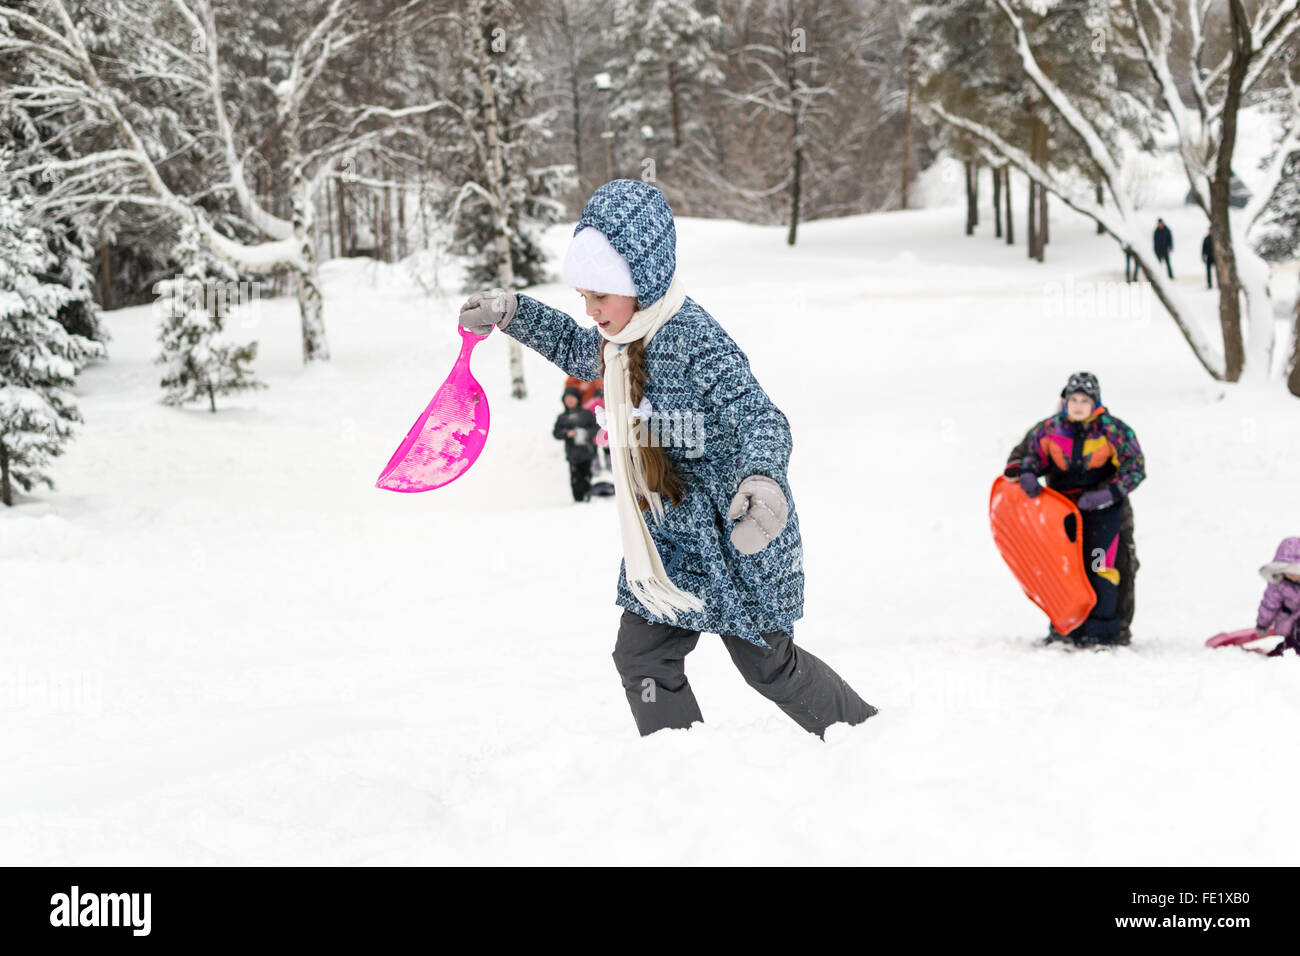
{"x": 1279, "y": 610}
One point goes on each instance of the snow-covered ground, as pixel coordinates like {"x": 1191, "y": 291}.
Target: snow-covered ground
{"x": 222, "y": 645}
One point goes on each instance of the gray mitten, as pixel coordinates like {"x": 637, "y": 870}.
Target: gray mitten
{"x": 761, "y": 506}
{"x": 482, "y": 310}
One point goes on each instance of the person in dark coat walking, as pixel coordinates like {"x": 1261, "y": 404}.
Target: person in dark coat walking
{"x": 1207, "y": 256}
{"x": 1094, "y": 459}
{"x": 577, "y": 427}
{"x": 1163, "y": 240}
{"x": 707, "y": 520}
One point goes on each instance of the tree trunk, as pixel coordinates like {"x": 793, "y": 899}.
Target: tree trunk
{"x": 997, "y": 202}
{"x": 1225, "y": 260}
{"x": 1031, "y": 234}
{"x": 1011, "y": 222}
{"x": 907, "y": 127}
{"x": 577, "y": 123}
{"x": 1040, "y": 234}
{"x": 382, "y": 200}
{"x": 424, "y": 216}
{"x": 1042, "y": 223}
{"x": 496, "y": 186}
{"x": 105, "y": 276}
{"x": 1101, "y": 199}
{"x": 401, "y": 216}
{"x": 340, "y": 198}
{"x": 795, "y": 188}
{"x": 791, "y": 86}
{"x": 311, "y": 306}
{"x": 212, "y": 398}
{"x": 970, "y": 197}
{"x": 6, "y": 490}
{"x": 1293, "y": 379}
{"x": 676, "y": 105}
{"x": 328, "y": 220}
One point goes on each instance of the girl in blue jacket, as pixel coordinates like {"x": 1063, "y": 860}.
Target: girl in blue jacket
{"x": 699, "y": 453}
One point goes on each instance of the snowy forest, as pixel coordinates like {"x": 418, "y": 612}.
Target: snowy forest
{"x": 234, "y": 237}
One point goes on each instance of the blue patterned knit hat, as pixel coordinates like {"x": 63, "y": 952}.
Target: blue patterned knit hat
{"x": 637, "y": 221}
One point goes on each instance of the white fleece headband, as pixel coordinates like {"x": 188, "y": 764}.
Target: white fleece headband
{"x": 593, "y": 264}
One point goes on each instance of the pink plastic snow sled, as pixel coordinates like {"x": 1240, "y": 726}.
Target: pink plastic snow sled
{"x": 1244, "y": 636}
{"x": 448, "y": 437}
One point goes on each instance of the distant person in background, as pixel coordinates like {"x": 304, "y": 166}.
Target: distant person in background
{"x": 576, "y": 426}
{"x": 1207, "y": 256}
{"x": 585, "y": 389}
{"x": 1163, "y": 240}
{"x": 1130, "y": 266}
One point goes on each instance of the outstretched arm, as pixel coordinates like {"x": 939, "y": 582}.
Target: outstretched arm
{"x": 556, "y": 337}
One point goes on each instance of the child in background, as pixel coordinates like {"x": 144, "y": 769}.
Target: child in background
{"x": 1093, "y": 458}
{"x": 576, "y": 426}
{"x": 1279, "y": 610}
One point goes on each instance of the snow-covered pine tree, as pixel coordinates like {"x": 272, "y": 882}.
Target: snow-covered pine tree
{"x": 70, "y": 235}
{"x": 39, "y": 358}
{"x": 522, "y": 128}
{"x": 70, "y": 244}
{"x": 201, "y": 362}
{"x": 664, "y": 58}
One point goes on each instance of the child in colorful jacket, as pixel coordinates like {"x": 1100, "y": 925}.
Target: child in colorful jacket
{"x": 708, "y": 524}
{"x": 1126, "y": 558}
{"x": 1094, "y": 459}
{"x": 1279, "y": 609}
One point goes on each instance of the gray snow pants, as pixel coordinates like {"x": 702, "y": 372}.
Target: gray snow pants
{"x": 651, "y": 660}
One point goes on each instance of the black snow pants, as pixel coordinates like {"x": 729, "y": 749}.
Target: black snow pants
{"x": 580, "y": 479}
{"x": 651, "y": 660}
{"x": 1100, "y": 554}
{"x": 1127, "y": 564}
{"x": 1168, "y": 264}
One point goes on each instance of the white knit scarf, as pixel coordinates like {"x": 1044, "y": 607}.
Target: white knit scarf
{"x": 646, "y": 576}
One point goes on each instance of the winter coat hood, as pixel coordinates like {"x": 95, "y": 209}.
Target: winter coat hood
{"x": 1285, "y": 561}
{"x": 638, "y": 222}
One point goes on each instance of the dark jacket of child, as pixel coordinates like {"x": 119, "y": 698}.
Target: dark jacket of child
{"x": 581, "y": 445}
{"x": 1074, "y": 457}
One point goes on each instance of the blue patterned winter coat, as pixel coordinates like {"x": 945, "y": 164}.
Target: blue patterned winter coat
{"x": 732, "y": 431}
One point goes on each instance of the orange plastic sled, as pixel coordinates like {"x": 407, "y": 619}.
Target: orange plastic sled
{"x": 1041, "y": 541}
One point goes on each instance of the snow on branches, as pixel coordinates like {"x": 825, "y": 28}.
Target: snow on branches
{"x": 39, "y": 358}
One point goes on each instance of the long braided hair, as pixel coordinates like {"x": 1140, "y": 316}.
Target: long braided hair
{"x": 661, "y": 476}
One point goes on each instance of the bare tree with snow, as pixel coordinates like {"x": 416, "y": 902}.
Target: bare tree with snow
{"x": 1207, "y": 134}
{"x": 112, "y": 159}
